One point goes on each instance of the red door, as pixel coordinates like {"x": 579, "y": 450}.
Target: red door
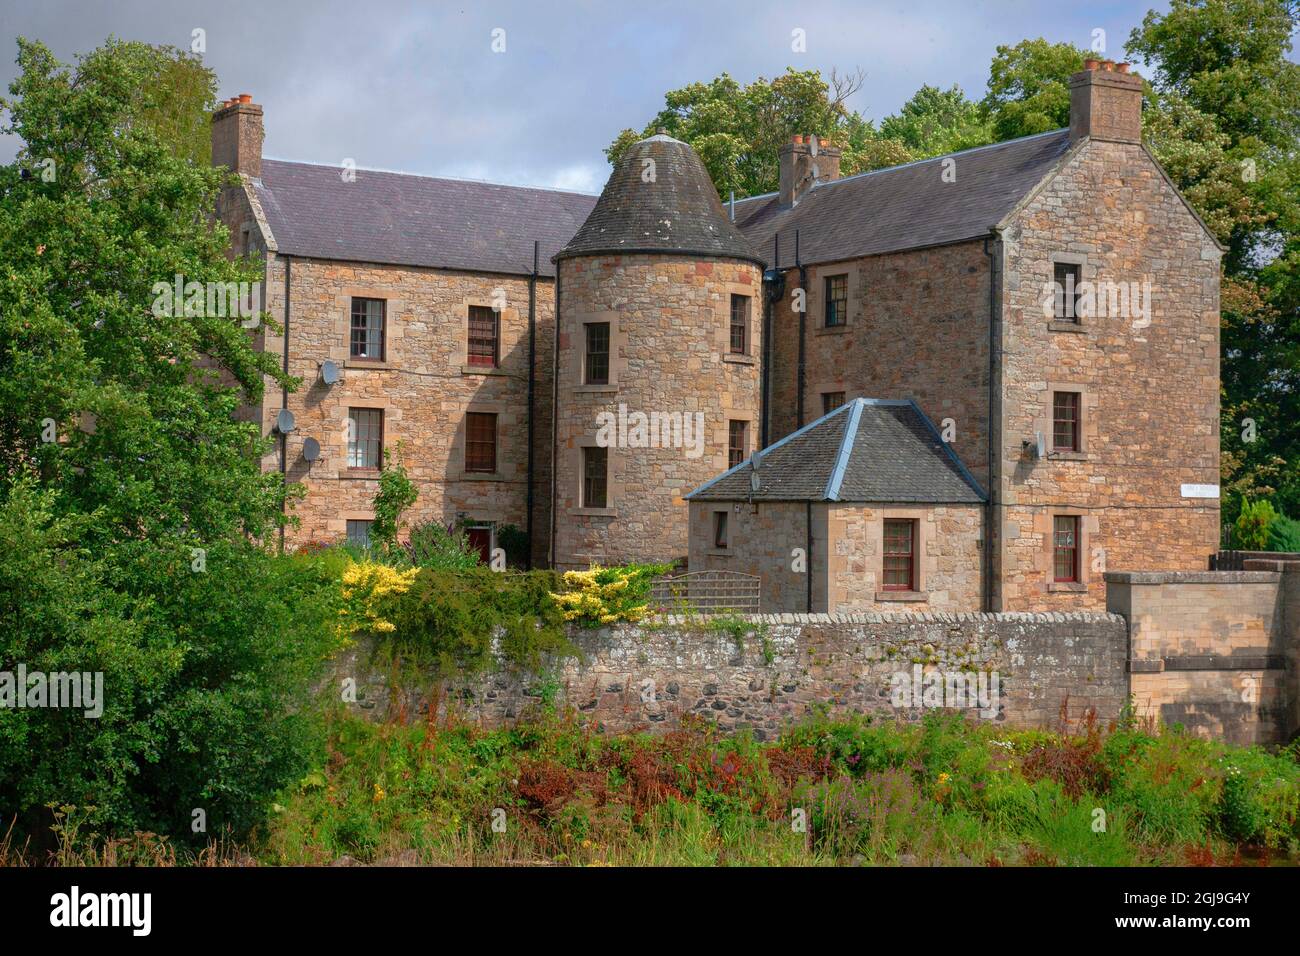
{"x": 481, "y": 538}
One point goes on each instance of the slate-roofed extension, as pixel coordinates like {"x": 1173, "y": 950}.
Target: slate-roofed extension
{"x": 902, "y": 207}
{"x": 868, "y": 450}
{"x": 396, "y": 219}
{"x": 675, "y": 210}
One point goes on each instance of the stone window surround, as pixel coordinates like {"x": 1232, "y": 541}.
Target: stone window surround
{"x": 753, "y": 336}
{"x": 393, "y": 308}
{"x": 921, "y": 538}
{"x": 506, "y": 318}
{"x": 823, "y": 387}
{"x": 578, "y": 352}
{"x": 1046, "y": 554}
{"x": 613, "y": 487}
{"x": 392, "y": 416}
{"x": 341, "y": 522}
{"x": 1087, "y": 424}
{"x": 1087, "y": 273}
{"x": 729, "y": 551}
{"x": 722, "y": 434}
{"x": 456, "y": 471}
{"x": 817, "y": 276}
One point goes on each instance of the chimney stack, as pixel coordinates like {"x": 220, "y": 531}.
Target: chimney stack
{"x": 237, "y": 135}
{"x": 805, "y": 161}
{"x": 1106, "y": 103}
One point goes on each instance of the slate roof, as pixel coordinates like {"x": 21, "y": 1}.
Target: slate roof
{"x": 902, "y": 207}
{"x": 868, "y": 450}
{"x": 398, "y": 219}
{"x": 677, "y": 210}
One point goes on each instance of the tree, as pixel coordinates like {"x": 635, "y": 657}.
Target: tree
{"x": 1225, "y": 123}
{"x": 1028, "y": 90}
{"x": 739, "y": 130}
{"x": 131, "y": 494}
{"x": 934, "y": 122}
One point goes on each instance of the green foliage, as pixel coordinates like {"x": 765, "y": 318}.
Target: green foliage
{"x": 396, "y": 493}
{"x": 437, "y": 548}
{"x": 934, "y": 122}
{"x": 1284, "y": 535}
{"x": 514, "y": 542}
{"x": 205, "y": 673}
{"x": 1028, "y": 89}
{"x": 449, "y": 621}
{"x": 1251, "y": 531}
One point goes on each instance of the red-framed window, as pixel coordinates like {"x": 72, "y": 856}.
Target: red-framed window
{"x": 484, "y": 336}
{"x": 740, "y": 325}
{"x": 365, "y": 437}
{"x": 481, "y": 442}
{"x": 1065, "y": 548}
{"x": 900, "y": 555}
{"x": 837, "y": 300}
{"x": 596, "y": 356}
{"x": 737, "y": 442}
{"x": 720, "y": 530}
{"x": 595, "y": 467}
{"x": 366, "y": 341}
{"x": 1065, "y": 421}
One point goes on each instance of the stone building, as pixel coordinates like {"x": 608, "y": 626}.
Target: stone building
{"x": 1050, "y": 304}
{"x": 865, "y": 509}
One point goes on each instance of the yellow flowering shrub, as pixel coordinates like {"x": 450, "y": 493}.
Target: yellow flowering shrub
{"x": 367, "y": 586}
{"x": 601, "y": 595}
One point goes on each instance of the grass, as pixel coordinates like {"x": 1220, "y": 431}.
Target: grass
{"x": 830, "y": 792}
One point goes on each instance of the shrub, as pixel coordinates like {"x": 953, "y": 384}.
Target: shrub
{"x": 396, "y": 493}
{"x": 437, "y": 548}
{"x": 607, "y": 595}
{"x": 1261, "y": 798}
{"x": 1251, "y": 530}
{"x": 1284, "y": 534}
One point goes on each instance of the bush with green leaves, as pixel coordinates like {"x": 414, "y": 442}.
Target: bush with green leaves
{"x": 1251, "y": 530}
{"x": 1284, "y": 535}
{"x": 437, "y": 548}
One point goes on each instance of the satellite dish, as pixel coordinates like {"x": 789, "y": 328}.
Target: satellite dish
{"x": 329, "y": 372}
{"x": 284, "y": 421}
{"x": 311, "y": 449}
{"x": 753, "y": 475}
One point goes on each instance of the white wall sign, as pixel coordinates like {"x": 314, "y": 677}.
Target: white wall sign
{"x": 1200, "y": 491}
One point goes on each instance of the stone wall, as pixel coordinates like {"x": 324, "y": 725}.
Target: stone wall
{"x": 424, "y": 386}
{"x": 785, "y": 668}
{"x": 1149, "y": 383}
{"x": 669, "y": 354}
{"x": 1210, "y": 650}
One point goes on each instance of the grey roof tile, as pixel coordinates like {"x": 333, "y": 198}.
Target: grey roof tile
{"x": 676, "y": 210}
{"x": 902, "y": 207}
{"x": 398, "y": 219}
{"x": 869, "y": 450}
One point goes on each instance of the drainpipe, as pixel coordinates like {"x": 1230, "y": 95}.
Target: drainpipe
{"x": 532, "y": 387}
{"x": 808, "y": 554}
{"x": 766, "y": 371}
{"x": 555, "y": 417}
{"x": 990, "y": 506}
{"x": 803, "y": 317}
{"x": 284, "y": 400}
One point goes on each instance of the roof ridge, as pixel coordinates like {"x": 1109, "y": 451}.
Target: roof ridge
{"x": 450, "y": 179}
{"x": 846, "y": 449}
{"x": 820, "y": 184}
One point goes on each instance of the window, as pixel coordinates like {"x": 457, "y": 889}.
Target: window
{"x": 359, "y": 532}
{"x": 831, "y": 401}
{"x": 720, "y": 530}
{"x": 595, "y": 461}
{"x": 900, "y": 557}
{"x": 737, "y": 432}
{"x": 740, "y": 325}
{"x": 837, "y": 300}
{"x": 1065, "y": 421}
{"x": 1065, "y": 548}
{"x": 596, "y": 360}
{"x": 365, "y": 437}
{"x": 367, "y": 340}
{"x": 481, "y": 442}
{"x": 484, "y": 336}
{"x": 1066, "y": 278}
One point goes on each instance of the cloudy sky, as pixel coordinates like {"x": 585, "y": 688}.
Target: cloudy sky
{"x": 417, "y": 87}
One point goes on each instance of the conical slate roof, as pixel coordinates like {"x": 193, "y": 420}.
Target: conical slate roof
{"x": 675, "y": 210}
